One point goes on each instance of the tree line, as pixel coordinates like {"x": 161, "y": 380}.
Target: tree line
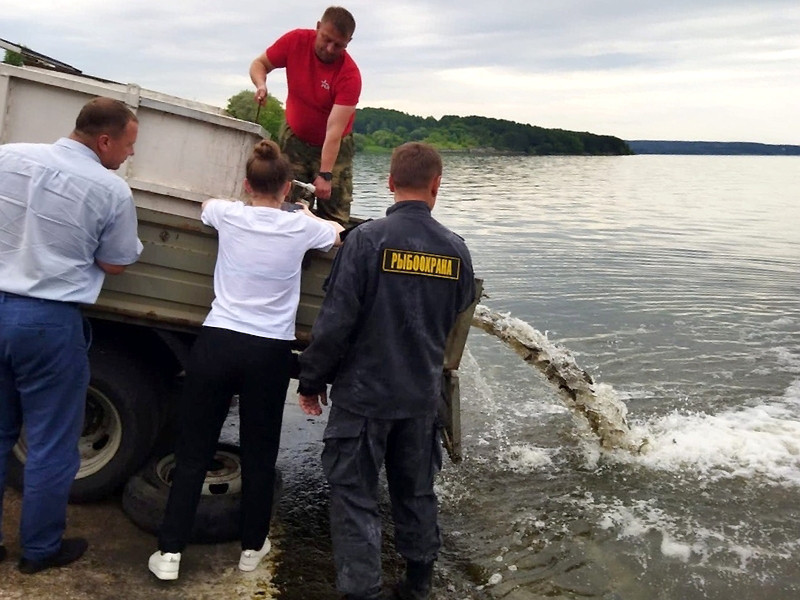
{"x": 382, "y": 129}
{"x": 715, "y": 148}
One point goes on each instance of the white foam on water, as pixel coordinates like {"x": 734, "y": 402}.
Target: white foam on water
{"x": 753, "y": 442}
{"x": 683, "y": 538}
{"x": 787, "y": 359}
{"x": 526, "y": 458}
{"x": 782, "y": 322}
{"x": 671, "y": 548}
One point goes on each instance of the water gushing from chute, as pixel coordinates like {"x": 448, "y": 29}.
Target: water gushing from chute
{"x": 594, "y": 405}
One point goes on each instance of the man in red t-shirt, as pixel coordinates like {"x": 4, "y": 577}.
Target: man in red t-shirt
{"x": 324, "y": 87}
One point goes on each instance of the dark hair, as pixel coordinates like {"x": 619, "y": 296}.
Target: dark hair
{"x": 103, "y": 116}
{"x": 267, "y": 169}
{"x": 414, "y": 165}
{"x": 341, "y": 19}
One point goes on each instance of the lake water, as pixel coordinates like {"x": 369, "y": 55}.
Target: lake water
{"x": 674, "y": 281}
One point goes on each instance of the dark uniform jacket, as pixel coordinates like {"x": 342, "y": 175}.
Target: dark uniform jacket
{"x": 395, "y": 289}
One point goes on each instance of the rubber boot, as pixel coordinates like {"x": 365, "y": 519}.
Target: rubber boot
{"x": 417, "y": 583}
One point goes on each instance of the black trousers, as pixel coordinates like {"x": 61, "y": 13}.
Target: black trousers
{"x": 224, "y": 363}
{"x": 356, "y": 448}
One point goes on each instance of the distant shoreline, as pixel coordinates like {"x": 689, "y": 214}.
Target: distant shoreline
{"x": 638, "y": 147}
{"x": 712, "y": 148}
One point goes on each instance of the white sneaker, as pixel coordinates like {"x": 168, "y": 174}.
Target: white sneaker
{"x": 165, "y": 565}
{"x": 250, "y": 558}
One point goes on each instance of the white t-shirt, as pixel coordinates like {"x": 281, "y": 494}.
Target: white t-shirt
{"x": 257, "y": 275}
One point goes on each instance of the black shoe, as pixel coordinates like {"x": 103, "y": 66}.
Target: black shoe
{"x": 71, "y": 550}
{"x": 2, "y": 553}
{"x": 355, "y": 597}
{"x": 417, "y": 583}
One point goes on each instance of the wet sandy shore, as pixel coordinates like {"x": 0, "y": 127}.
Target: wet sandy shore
{"x": 300, "y": 566}
{"x": 115, "y": 566}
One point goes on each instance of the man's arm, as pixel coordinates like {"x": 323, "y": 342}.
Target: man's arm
{"x": 119, "y": 245}
{"x": 334, "y": 326}
{"x": 111, "y": 269}
{"x": 337, "y": 121}
{"x": 258, "y": 75}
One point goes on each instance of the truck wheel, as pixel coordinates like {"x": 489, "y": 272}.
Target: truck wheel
{"x": 119, "y": 428}
{"x": 218, "y": 513}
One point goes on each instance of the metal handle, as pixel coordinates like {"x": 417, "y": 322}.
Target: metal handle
{"x": 309, "y": 188}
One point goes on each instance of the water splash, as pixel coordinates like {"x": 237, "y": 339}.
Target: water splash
{"x": 596, "y": 406}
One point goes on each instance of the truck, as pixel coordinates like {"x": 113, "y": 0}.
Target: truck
{"x": 145, "y": 320}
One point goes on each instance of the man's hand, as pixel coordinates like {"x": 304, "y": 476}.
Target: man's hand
{"x": 261, "y": 94}
{"x": 311, "y": 404}
{"x": 323, "y": 188}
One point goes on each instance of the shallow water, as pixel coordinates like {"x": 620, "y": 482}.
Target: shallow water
{"x": 675, "y": 282}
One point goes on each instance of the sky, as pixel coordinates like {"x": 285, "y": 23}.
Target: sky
{"x": 712, "y": 70}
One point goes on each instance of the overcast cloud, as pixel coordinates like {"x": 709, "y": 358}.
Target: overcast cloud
{"x": 725, "y": 70}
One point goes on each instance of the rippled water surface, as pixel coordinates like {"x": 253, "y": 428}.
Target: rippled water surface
{"x": 676, "y": 282}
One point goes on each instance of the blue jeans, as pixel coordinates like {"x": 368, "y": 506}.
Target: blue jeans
{"x": 44, "y": 374}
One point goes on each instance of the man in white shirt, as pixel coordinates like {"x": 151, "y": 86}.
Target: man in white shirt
{"x": 65, "y": 221}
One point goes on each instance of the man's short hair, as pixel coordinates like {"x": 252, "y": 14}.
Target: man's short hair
{"x": 414, "y": 165}
{"x": 103, "y": 116}
{"x": 341, "y": 19}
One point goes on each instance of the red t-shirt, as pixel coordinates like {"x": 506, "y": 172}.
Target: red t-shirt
{"x": 314, "y": 86}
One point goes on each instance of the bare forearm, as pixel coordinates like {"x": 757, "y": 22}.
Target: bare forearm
{"x": 258, "y": 73}
{"x": 330, "y": 150}
{"x": 334, "y": 130}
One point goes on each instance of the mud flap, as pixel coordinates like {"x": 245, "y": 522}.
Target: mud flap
{"x": 450, "y": 416}
{"x": 450, "y": 405}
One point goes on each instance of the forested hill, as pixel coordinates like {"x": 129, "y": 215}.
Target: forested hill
{"x": 383, "y": 129}
{"x": 728, "y": 148}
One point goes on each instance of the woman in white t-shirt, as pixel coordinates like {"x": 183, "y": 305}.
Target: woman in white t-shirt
{"x": 244, "y": 348}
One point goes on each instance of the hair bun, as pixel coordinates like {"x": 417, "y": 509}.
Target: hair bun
{"x": 267, "y": 150}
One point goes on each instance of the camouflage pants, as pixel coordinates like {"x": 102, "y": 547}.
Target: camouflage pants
{"x": 305, "y": 163}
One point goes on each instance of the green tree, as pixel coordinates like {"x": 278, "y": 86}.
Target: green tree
{"x": 360, "y": 141}
{"x": 386, "y": 139}
{"x": 419, "y": 134}
{"x": 270, "y": 117}
{"x": 383, "y": 128}
{"x": 13, "y": 58}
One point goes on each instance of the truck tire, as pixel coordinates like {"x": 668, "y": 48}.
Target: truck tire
{"x": 119, "y": 429}
{"x": 218, "y": 514}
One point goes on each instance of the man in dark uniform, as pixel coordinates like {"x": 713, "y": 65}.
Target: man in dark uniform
{"x": 395, "y": 290}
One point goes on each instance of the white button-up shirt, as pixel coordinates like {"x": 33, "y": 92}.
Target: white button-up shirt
{"x": 60, "y": 211}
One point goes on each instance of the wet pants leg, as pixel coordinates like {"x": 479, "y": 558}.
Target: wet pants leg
{"x": 352, "y": 459}
{"x": 354, "y": 453}
{"x": 44, "y": 374}
{"x": 413, "y": 459}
